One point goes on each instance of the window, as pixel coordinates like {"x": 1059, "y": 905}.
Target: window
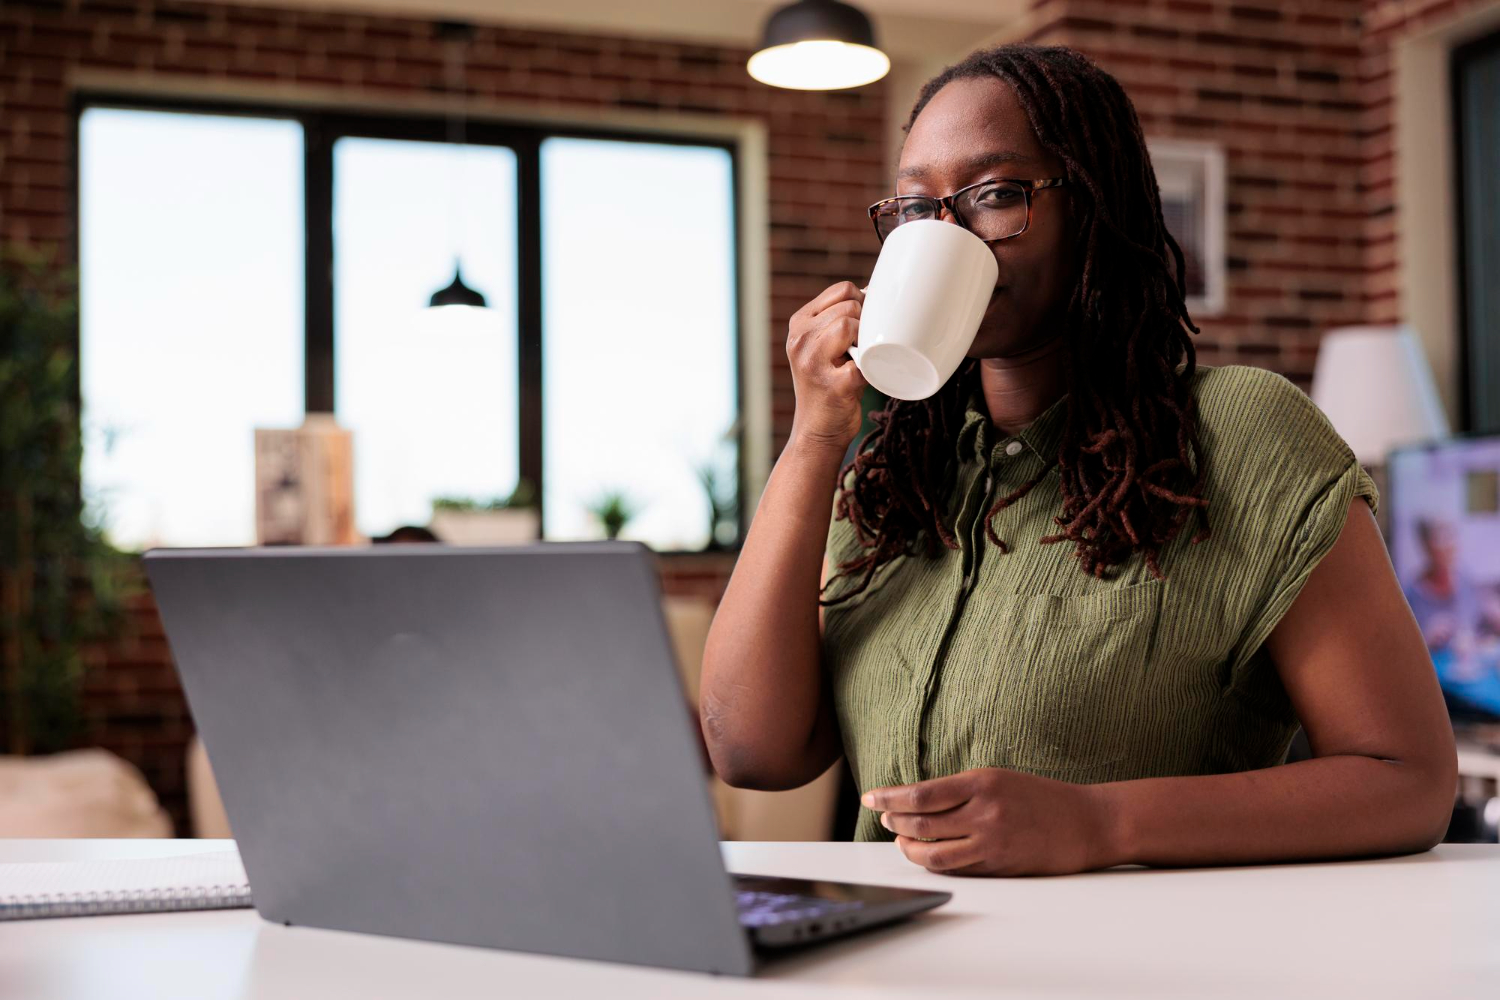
{"x": 190, "y": 254}
{"x": 430, "y": 397}
{"x": 637, "y": 253}
{"x": 605, "y": 363}
{"x": 1476, "y": 93}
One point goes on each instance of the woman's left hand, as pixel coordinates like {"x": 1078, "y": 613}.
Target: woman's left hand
{"x": 990, "y": 821}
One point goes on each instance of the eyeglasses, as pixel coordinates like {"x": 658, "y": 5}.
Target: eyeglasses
{"x": 992, "y": 210}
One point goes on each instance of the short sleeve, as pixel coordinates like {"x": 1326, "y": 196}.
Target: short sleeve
{"x": 1290, "y": 482}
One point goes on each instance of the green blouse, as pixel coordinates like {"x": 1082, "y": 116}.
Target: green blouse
{"x": 980, "y": 658}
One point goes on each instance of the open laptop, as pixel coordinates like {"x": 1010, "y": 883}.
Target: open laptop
{"x": 477, "y": 746}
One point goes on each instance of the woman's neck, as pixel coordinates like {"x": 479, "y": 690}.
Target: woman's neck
{"x": 1018, "y": 388}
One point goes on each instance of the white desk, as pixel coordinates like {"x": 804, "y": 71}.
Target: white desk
{"x": 1422, "y": 926}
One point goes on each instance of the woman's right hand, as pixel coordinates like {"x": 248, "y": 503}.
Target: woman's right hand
{"x": 827, "y": 382}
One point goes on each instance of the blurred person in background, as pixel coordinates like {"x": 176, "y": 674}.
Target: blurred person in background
{"x": 1446, "y": 606}
{"x": 407, "y": 533}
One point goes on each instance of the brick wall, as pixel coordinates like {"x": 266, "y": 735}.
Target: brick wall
{"x": 1299, "y": 92}
{"x": 1277, "y": 84}
{"x": 133, "y": 706}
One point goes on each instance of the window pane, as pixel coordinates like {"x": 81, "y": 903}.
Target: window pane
{"x": 1477, "y": 76}
{"x": 639, "y": 337}
{"x": 431, "y": 397}
{"x": 191, "y": 334}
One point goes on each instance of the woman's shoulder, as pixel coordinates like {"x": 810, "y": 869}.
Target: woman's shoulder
{"x": 1242, "y": 393}
{"x": 1263, "y": 415}
{"x": 1262, "y": 436}
{"x": 1279, "y": 481}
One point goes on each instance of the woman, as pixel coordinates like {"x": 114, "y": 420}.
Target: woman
{"x": 1076, "y": 604}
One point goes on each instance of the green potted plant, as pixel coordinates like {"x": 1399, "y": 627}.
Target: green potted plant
{"x": 613, "y": 510}
{"x": 723, "y": 505}
{"x": 718, "y": 474}
{"x": 511, "y": 520}
{"x": 62, "y": 587}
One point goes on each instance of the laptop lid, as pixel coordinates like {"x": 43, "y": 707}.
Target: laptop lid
{"x": 476, "y": 746}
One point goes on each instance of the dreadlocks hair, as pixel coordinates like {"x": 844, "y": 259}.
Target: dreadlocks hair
{"x": 1129, "y": 461}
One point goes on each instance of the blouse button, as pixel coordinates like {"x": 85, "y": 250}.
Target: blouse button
{"x": 1013, "y": 449}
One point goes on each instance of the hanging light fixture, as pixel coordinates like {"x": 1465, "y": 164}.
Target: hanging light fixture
{"x": 818, "y": 45}
{"x": 457, "y": 293}
{"x": 457, "y": 35}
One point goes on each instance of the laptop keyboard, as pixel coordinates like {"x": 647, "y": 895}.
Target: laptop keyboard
{"x": 762, "y": 909}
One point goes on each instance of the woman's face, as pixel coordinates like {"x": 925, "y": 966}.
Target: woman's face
{"x": 974, "y": 130}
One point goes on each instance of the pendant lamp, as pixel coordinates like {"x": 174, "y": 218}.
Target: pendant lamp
{"x": 457, "y": 293}
{"x": 818, "y": 45}
{"x": 456, "y": 35}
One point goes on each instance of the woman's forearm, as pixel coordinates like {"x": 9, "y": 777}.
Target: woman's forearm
{"x": 761, "y": 686}
{"x": 1328, "y": 807}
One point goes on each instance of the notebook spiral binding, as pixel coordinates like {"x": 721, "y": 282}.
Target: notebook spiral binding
{"x": 105, "y": 902}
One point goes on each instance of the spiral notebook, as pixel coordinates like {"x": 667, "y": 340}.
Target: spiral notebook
{"x": 210, "y": 881}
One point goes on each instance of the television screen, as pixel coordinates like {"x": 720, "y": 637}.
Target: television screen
{"x": 1445, "y": 545}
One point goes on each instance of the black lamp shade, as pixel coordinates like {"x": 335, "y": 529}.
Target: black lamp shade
{"x": 457, "y": 294}
{"x": 818, "y": 20}
{"x": 818, "y": 45}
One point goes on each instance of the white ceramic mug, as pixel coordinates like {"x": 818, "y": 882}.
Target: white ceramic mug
{"x": 930, "y": 288}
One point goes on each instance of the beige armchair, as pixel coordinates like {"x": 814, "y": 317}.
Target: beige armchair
{"x": 80, "y": 793}
{"x": 804, "y": 813}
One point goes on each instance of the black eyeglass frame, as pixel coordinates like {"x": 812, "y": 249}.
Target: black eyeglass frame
{"x": 1027, "y": 186}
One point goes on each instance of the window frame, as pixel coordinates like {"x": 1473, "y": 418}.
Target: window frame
{"x": 1470, "y": 407}
{"x": 323, "y": 126}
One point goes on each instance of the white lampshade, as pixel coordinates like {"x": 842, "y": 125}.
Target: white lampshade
{"x": 1376, "y": 387}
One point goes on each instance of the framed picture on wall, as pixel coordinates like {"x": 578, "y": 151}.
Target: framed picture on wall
{"x": 1191, "y": 177}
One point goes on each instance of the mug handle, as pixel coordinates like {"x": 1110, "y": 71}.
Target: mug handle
{"x": 855, "y": 351}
